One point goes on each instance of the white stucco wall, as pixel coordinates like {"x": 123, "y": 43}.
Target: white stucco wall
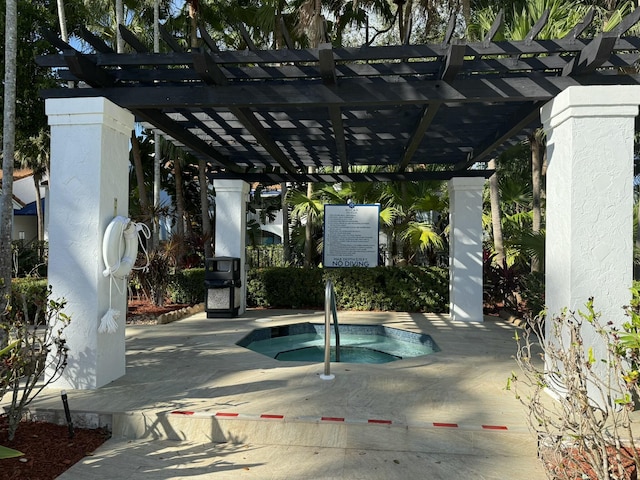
{"x": 589, "y": 223}
{"x": 465, "y": 249}
{"x": 88, "y": 187}
{"x": 231, "y": 226}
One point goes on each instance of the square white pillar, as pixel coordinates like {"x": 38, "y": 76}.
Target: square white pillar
{"x": 231, "y": 226}
{"x": 89, "y": 185}
{"x": 589, "y": 221}
{"x": 465, "y": 249}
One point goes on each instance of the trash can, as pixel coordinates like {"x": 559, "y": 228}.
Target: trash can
{"x": 222, "y": 283}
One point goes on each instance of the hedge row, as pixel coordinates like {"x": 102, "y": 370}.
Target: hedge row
{"x": 187, "y": 286}
{"x": 409, "y": 289}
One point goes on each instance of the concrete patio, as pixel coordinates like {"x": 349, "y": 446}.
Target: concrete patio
{"x": 194, "y": 405}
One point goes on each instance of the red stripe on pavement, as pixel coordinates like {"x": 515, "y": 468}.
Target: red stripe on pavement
{"x": 446, "y": 425}
{"x": 180, "y": 412}
{"x": 264, "y": 415}
{"x": 385, "y": 422}
{"x": 332, "y": 419}
{"x": 225, "y": 414}
{"x": 494, "y": 427}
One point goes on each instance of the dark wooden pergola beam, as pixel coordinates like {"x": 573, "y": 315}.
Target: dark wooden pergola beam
{"x": 275, "y": 178}
{"x": 206, "y": 38}
{"x": 352, "y": 93}
{"x": 537, "y": 28}
{"x": 213, "y": 75}
{"x": 379, "y": 54}
{"x": 180, "y": 134}
{"x": 246, "y": 37}
{"x": 627, "y": 22}
{"x": 327, "y": 67}
{"x": 592, "y": 56}
{"x": 95, "y": 42}
{"x": 453, "y": 62}
{"x": 131, "y": 40}
{"x": 495, "y": 28}
{"x": 418, "y": 134}
{"x": 83, "y": 69}
{"x": 253, "y": 125}
{"x": 168, "y": 39}
{"x": 582, "y": 25}
{"x": 285, "y": 34}
{"x": 207, "y": 69}
{"x": 524, "y": 117}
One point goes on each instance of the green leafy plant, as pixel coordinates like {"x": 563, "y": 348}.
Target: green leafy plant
{"x": 155, "y": 277}
{"x": 584, "y": 430}
{"x": 32, "y": 349}
{"x": 187, "y": 286}
{"x": 408, "y": 288}
{"x": 6, "y": 452}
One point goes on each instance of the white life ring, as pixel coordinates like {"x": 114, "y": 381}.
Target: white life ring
{"x": 119, "y": 247}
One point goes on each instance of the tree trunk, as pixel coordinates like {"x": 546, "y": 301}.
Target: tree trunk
{"x": 496, "y": 221}
{"x": 536, "y": 183}
{"x": 193, "y": 17}
{"x": 119, "y": 21}
{"x": 180, "y": 210}
{"x": 204, "y": 208}
{"x": 308, "y": 228}
{"x": 39, "y": 213}
{"x": 8, "y": 148}
{"x": 62, "y": 19}
{"x": 286, "y": 250}
{"x": 156, "y": 140}
{"x": 137, "y": 164}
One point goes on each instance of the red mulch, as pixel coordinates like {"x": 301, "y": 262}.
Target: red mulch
{"x": 140, "y": 311}
{"x": 574, "y": 464}
{"x": 47, "y": 447}
{"x": 48, "y": 450}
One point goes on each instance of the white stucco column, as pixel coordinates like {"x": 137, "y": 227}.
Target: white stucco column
{"x": 589, "y": 222}
{"x": 89, "y": 185}
{"x": 465, "y": 249}
{"x": 231, "y": 226}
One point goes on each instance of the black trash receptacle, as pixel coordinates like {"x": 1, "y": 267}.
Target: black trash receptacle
{"x": 222, "y": 283}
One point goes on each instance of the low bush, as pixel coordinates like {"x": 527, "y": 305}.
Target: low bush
{"x": 413, "y": 289}
{"x": 187, "y": 286}
{"x": 281, "y": 287}
{"x": 28, "y": 299}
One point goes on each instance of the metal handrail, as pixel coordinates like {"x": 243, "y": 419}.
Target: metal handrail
{"x": 330, "y": 309}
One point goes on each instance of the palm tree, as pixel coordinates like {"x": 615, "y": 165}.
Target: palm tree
{"x": 496, "y": 214}
{"x": 62, "y": 20}
{"x": 34, "y": 154}
{"x": 8, "y": 147}
{"x": 156, "y": 137}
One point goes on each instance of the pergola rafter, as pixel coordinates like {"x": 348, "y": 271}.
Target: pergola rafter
{"x": 446, "y": 106}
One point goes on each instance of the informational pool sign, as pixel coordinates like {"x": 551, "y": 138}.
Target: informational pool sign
{"x": 351, "y": 235}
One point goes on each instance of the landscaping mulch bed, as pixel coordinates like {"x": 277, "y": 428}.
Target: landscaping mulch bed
{"x": 142, "y": 312}
{"x": 48, "y": 450}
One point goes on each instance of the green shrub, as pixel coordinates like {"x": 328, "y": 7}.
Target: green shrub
{"x": 28, "y": 299}
{"x": 281, "y": 287}
{"x": 412, "y": 289}
{"x": 187, "y": 286}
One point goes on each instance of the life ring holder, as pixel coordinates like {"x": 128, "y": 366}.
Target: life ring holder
{"x": 119, "y": 253}
{"x": 121, "y": 235}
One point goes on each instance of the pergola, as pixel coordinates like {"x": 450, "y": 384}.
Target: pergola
{"x": 414, "y": 112}
{"x": 269, "y": 115}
